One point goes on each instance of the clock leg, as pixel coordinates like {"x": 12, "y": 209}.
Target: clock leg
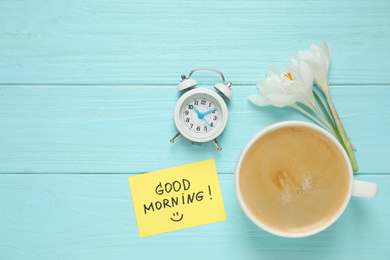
{"x": 217, "y": 145}
{"x": 176, "y": 137}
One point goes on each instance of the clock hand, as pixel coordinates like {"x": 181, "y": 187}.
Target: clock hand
{"x": 200, "y": 115}
{"x": 206, "y": 121}
{"x": 212, "y": 110}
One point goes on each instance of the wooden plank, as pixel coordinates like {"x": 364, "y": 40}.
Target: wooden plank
{"x": 90, "y": 216}
{"x": 126, "y": 129}
{"x": 154, "y": 42}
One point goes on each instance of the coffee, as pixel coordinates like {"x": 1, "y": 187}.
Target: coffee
{"x": 294, "y": 179}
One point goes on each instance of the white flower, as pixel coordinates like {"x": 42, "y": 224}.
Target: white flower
{"x": 288, "y": 86}
{"x": 272, "y": 90}
{"x": 318, "y": 58}
{"x": 285, "y": 86}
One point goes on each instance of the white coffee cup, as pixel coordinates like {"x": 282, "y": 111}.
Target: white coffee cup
{"x": 356, "y": 188}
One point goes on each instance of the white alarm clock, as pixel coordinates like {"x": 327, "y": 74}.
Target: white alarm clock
{"x": 201, "y": 114}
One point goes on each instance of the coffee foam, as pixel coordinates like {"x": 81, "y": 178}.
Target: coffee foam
{"x": 301, "y": 187}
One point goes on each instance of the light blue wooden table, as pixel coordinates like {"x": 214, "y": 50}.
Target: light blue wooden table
{"x": 87, "y": 91}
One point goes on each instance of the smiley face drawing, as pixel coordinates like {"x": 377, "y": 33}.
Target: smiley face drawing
{"x": 177, "y": 214}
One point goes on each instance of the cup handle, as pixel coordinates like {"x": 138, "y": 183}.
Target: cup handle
{"x": 364, "y": 189}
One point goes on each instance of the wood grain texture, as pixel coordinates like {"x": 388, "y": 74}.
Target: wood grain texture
{"x": 126, "y": 129}
{"x": 90, "y": 86}
{"x": 91, "y": 217}
{"x": 154, "y": 42}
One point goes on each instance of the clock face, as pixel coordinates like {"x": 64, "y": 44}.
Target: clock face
{"x": 201, "y": 115}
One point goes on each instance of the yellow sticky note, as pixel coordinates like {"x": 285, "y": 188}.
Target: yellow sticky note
{"x": 176, "y": 198}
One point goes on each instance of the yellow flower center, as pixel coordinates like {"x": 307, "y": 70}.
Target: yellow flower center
{"x": 288, "y": 75}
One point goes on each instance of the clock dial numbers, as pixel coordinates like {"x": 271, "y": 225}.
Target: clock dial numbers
{"x": 200, "y": 115}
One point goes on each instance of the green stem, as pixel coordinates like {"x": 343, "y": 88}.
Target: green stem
{"x": 342, "y": 133}
{"x": 323, "y": 119}
{"x": 330, "y": 120}
{"x": 312, "y": 118}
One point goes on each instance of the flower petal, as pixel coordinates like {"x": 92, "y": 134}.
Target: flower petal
{"x": 280, "y": 100}
{"x": 326, "y": 50}
{"x": 307, "y": 75}
{"x": 272, "y": 85}
{"x": 316, "y": 60}
{"x": 317, "y": 52}
{"x": 294, "y": 57}
{"x": 296, "y": 88}
{"x": 296, "y": 71}
{"x": 259, "y": 100}
{"x": 273, "y": 70}
{"x": 286, "y": 67}
{"x": 260, "y": 83}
